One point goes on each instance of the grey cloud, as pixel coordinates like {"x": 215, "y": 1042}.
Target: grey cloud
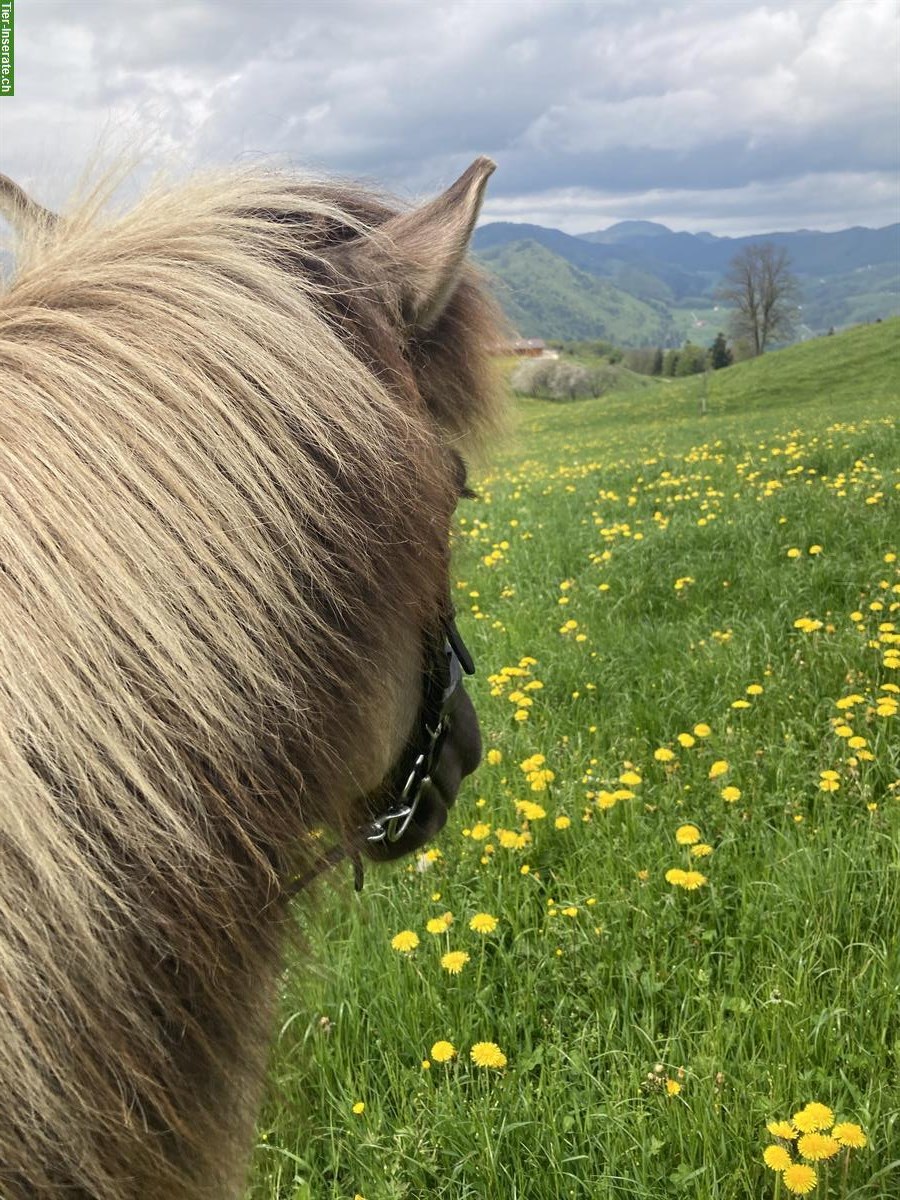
{"x": 596, "y": 96}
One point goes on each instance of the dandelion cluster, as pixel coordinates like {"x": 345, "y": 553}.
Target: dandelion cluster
{"x": 812, "y": 1135}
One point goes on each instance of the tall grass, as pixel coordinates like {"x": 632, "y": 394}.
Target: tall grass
{"x": 639, "y": 554}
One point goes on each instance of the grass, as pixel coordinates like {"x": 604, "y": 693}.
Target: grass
{"x": 776, "y": 981}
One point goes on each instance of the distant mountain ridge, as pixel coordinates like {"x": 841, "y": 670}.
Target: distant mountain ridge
{"x": 846, "y": 277}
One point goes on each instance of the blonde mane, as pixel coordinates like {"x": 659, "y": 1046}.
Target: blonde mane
{"x": 219, "y": 426}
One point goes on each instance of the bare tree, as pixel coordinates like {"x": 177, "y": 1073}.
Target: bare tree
{"x": 763, "y": 292}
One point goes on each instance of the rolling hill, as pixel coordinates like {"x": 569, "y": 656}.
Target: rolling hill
{"x": 639, "y": 283}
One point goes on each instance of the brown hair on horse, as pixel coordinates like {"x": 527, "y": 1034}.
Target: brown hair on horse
{"x": 229, "y": 456}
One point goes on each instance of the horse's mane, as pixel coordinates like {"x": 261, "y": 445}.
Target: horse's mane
{"x": 212, "y": 443}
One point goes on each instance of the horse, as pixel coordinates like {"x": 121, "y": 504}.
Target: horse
{"x": 235, "y": 423}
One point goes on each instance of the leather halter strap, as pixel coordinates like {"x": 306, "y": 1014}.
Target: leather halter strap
{"x": 412, "y": 775}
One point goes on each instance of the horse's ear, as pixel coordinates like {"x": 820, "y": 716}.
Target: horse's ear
{"x": 19, "y": 209}
{"x": 421, "y": 253}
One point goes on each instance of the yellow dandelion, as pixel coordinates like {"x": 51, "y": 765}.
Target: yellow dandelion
{"x": 443, "y": 1051}
{"x": 793, "y": 552}
{"x": 813, "y": 1117}
{"x": 719, "y": 768}
{"x": 436, "y": 925}
{"x": 483, "y": 923}
{"x": 494, "y": 757}
{"x": 686, "y": 740}
{"x": 454, "y": 961}
{"x": 673, "y": 1087}
{"x": 755, "y": 689}
{"x": 359, "y": 1107}
{"x": 782, "y": 1129}
{"x": 480, "y": 831}
{"x": 849, "y": 1134}
{"x": 687, "y": 835}
{"x": 571, "y": 911}
{"x": 487, "y": 1054}
{"x": 702, "y": 730}
{"x": 663, "y": 754}
{"x": 693, "y": 880}
{"x": 777, "y": 1158}
{"x": 701, "y": 850}
{"x": 562, "y": 822}
{"x": 405, "y": 941}
{"x": 799, "y": 1179}
{"x": 816, "y": 1146}
{"x": 675, "y": 876}
{"x": 531, "y": 811}
{"x": 630, "y": 778}
{"x": 730, "y": 794}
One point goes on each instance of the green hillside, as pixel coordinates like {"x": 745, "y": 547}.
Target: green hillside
{"x": 658, "y": 290}
{"x": 826, "y": 370}
{"x": 545, "y": 296}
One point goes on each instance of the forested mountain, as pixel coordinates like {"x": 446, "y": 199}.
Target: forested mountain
{"x": 640, "y": 283}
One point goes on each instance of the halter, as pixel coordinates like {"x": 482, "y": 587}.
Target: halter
{"x": 411, "y": 777}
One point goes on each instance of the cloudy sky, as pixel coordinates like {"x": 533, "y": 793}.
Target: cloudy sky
{"x": 726, "y": 115}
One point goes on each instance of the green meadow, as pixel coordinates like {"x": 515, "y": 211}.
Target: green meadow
{"x": 683, "y": 602}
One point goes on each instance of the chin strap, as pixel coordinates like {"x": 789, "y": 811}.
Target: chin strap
{"x": 412, "y": 775}
{"x": 335, "y": 855}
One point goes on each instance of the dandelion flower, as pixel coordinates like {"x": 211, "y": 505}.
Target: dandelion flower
{"x": 562, "y": 822}
{"x": 777, "y": 1158}
{"x": 454, "y": 961}
{"x": 702, "y": 730}
{"x": 701, "y": 850}
{"x": 782, "y": 1129}
{"x": 443, "y": 1051}
{"x": 663, "y": 754}
{"x": 359, "y": 1107}
{"x": 849, "y": 1134}
{"x": 405, "y": 941}
{"x": 730, "y": 794}
{"x": 675, "y": 876}
{"x": 816, "y": 1146}
{"x": 673, "y": 1087}
{"x": 686, "y": 740}
{"x": 483, "y": 923}
{"x": 630, "y": 778}
{"x": 687, "y": 835}
{"x": 494, "y": 757}
{"x": 814, "y": 1116}
{"x": 437, "y": 925}
{"x": 531, "y": 811}
{"x": 720, "y": 767}
{"x": 693, "y": 880}
{"x": 799, "y": 1179}
{"x": 487, "y": 1054}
